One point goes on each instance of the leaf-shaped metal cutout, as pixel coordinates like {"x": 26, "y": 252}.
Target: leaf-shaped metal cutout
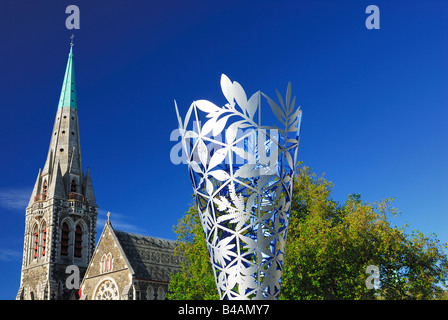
{"x": 179, "y": 119}
{"x": 296, "y": 113}
{"x": 232, "y": 131}
{"x": 209, "y": 186}
{"x": 217, "y": 158}
{"x": 288, "y": 95}
{"x": 252, "y": 104}
{"x": 194, "y": 165}
{"x": 293, "y": 126}
{"x": 188, "y": 115}
{"x": 280, "y": 99}
{"x": 222, "y": 203}
{"x": 247, "y": 171}
{"x": 289, "y": 159}
{"x": 224, "y": 249}
{"x": 239, "y": 95}
{"x": 293, "y": 103}
{"x": 190, "y": 134}
{"x": 227, "y": 88}
{"x": 220, "y": 124}
{"x": 207, "y": 106}
{"x": 208, "y": 126}
{"x": 250, "y": 202}
{"x": 220, "y": 175}
{"x": 275, "y": 109}
{"x": 202, "y": 152}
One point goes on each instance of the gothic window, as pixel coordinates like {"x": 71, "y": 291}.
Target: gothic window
{"x": 44, "y": 238}
{"x": 160, "y": 294}
{"x": 73, "y": 186}
{"x": 109, "y": 262}
{"x": 106, "y": 263}
{"x": 107, "y": 291}
{"x": 103, "y": 264}
{"x": 65, "y": 236}
{"x": 78, "y": 241}
{"x": 45, "y": 188}
{"x": 150, "y": 293}
{"x": 36, "y": 240}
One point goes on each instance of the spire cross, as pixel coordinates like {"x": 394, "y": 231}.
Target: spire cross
{"x": 108, "y": 215}
{"x": 72, "y": 37}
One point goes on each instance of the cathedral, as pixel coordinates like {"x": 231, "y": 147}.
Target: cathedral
{"x": 60, "y": 229}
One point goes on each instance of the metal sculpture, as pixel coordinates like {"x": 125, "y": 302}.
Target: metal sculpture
{"x": 242, "y": 174}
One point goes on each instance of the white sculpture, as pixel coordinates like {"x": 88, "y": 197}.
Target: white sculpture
{"x": 242, "y": 174}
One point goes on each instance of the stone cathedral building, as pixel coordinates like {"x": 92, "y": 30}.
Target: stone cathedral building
{"x": 60, "y": 229}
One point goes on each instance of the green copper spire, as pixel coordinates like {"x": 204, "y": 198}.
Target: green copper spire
{"x": 68, "y": 92}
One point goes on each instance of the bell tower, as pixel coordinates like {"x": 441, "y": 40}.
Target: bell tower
{"x": 60, "y": 222}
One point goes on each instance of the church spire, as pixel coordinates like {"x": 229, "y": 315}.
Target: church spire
{"x": 60, "y": 226}
{"x": 68, "y": 92}
{"x": 64, "y": 154}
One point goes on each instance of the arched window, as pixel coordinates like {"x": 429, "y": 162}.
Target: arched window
{"x": 45, "y": 188}
{"x": 106, "y": 263}
{"x": 103, "y": 263}
{"x": 109, "y": 262}
{"x": 150, "y": 293}
{"x": 36, "y": 240}
{"x": 73, "y": 186}
{"x": 78, "y": 241}
{"x": 44, "y": 238}
{"x": 107, "y": 290}
{"x": 160, "y": 294}
{"x": 65, "y": 236}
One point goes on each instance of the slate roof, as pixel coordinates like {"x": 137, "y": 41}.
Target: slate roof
{"x": 150, "y": 258}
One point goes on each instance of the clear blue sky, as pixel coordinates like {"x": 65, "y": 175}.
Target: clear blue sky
{"x": 374, "y": 101}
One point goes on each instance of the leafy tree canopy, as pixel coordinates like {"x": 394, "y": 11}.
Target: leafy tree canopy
{"x": 329, "y": 248}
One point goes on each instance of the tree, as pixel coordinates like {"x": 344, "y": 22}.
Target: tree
{"x": 195, "y": 281}
{"x": 329, "y": 247}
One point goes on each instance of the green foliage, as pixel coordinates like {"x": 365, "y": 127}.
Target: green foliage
{"x": 329, "y": 247}
{"x": 195, "y": 281}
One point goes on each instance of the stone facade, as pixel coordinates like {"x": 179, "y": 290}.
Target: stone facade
{"x": 127, "y": 266}
{"x": 60, "y": 221}
{"x": 60, "y": 229}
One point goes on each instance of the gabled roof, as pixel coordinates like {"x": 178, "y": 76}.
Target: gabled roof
{"x": 151, "y": 258}
{"x": 148, "y": 258}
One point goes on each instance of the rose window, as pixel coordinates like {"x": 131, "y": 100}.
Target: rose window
{"x": 107, "y": 291}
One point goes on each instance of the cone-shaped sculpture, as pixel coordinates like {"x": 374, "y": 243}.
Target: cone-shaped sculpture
{"x": 242, "y": 174}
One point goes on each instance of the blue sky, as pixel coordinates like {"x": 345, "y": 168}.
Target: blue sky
{"x": 374, "y": 101}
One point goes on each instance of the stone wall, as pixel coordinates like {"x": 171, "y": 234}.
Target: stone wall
{"x": 35, "y": 279}
{"x": 119, "y": 273}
